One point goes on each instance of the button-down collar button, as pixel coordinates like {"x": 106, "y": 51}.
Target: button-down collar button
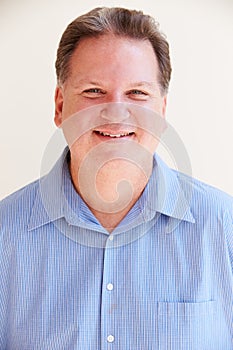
{"x": 110, "y": 338}
{"x": 109, "y": 286}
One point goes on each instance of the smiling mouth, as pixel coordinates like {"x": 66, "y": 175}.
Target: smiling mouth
{"x": 115, "y": 135}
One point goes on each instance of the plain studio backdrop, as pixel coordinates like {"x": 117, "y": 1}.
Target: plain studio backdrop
{"x": 200, "y": 106}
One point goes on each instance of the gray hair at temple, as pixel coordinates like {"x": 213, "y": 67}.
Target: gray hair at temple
{"x": 117, "y": 21}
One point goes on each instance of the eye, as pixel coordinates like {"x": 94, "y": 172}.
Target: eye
{"x": 93, "y": 92}
{"x": 137, "y": 94}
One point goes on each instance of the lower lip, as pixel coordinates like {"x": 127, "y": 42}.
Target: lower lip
{"x": 114, "y": 139}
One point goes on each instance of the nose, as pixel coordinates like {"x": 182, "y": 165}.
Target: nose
{"x": 115, "y": 112}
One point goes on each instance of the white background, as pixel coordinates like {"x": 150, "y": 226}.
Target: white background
{"x": 200, "y": 104}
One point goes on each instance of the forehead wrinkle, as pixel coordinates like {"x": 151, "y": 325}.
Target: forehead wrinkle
{"x": 150, "y": 84}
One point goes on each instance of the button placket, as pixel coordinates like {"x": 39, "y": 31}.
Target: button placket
{"x": 107, "y": 305}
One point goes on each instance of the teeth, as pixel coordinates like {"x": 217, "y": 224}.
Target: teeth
{"x": 114, "y": 135}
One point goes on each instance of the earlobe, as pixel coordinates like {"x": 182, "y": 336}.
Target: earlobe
{"x": 58, "y": 106}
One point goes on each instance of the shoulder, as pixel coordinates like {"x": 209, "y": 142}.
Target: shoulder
{"x": 202, "y": 199}
{"x": 204, "y": 193}
{"x": 212, "y": 210}
{"x": 204, "y": 196}
{"x": 16, "y": 208}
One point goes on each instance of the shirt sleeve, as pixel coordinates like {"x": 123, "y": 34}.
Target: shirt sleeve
{"x": 228, "y": 227}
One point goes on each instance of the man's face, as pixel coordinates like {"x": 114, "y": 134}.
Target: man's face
{"x": 115, "y": 71}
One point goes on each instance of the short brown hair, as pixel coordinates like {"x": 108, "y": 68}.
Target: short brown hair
{"x": 118, "y": 21}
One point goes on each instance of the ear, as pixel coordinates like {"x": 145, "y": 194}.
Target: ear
{"x": 164, "y": 106}
{"x": 58, "y": 106}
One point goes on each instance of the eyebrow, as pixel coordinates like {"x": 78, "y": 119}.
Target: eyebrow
{"x": 149, "y": 84}
{"x": 86, "y": 81}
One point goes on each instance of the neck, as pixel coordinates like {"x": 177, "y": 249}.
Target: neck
{"x": 113, "y": 191}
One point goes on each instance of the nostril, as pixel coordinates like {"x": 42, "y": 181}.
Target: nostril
{"x": 115, "y": 113}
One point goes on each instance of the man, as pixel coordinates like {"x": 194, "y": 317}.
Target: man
{"x": 112, "y": 249}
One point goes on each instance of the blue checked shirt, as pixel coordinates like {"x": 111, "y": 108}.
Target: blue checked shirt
{"x": 162, "y": 280}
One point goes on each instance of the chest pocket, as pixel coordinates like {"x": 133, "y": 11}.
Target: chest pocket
{"x": 190, "y": 326}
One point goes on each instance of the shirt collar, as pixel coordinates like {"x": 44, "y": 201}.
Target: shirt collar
{"x": 56, "y": 198}
{"x": 168, "y": 192}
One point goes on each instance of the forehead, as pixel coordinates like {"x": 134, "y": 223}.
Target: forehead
{"x": 112, "y": 54}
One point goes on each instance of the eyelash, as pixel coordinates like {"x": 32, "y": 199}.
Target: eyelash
{"x": 96, "y": 92}
{"x": 137, "y": 92}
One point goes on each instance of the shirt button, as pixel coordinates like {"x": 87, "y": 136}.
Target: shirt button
{"x": 110, "y": 338}
{"x": 111, "y": 237}
{"x": 109, "y": 286}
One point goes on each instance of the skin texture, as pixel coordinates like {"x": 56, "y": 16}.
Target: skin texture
{"x": 110, "y": 71}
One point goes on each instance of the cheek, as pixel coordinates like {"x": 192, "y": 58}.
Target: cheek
{"x": 80, "y": 149}
{"x": 78, "y": 142}
{"x": 69, "y": 108}
{"x": 148, "y": 141}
